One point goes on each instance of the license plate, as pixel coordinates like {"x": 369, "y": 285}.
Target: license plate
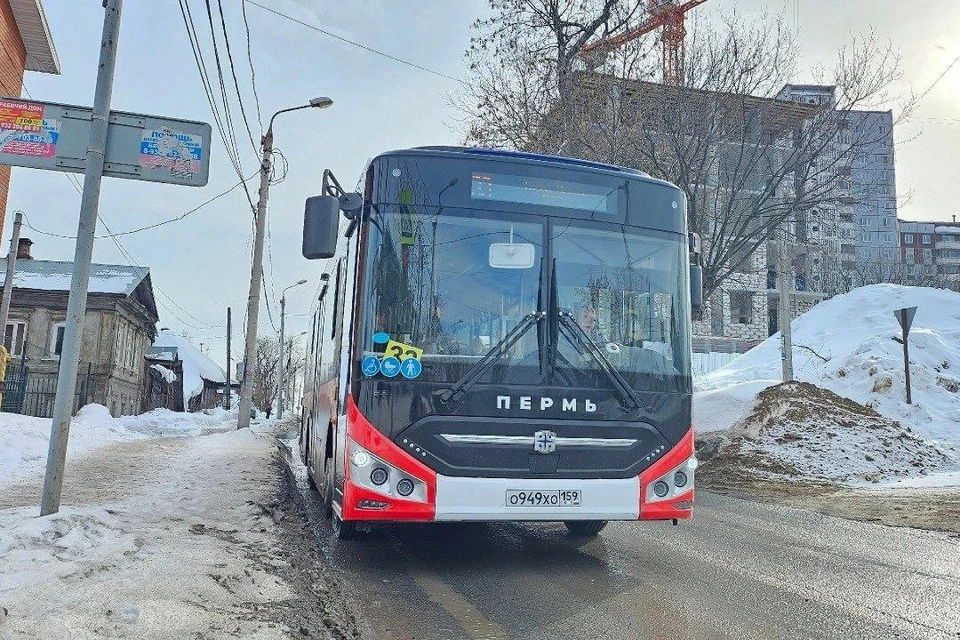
{"x": 550, "y": 498}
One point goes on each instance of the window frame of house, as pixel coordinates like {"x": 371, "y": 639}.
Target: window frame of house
{"x": 55, "y": 329}
{"x": 908, "y": 238}
{"x": 13, "y": 349}
{"x": 745, "y": 299}
{"x": 925, "y": 239}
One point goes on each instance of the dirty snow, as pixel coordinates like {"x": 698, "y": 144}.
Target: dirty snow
{"x": 797, "y": 431}
{"x": 849, "y": 344}
{"x": 197, "y": 367}
{"x": 24, "y": 440}
{"x": 157, "y": 538}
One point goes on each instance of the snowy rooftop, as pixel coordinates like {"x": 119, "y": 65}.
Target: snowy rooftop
{"x": 52, "y": 275}
{"x": 197, "y": 367}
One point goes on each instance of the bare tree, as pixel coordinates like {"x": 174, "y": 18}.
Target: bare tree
{"x": 749, "y": 163}
{"x": 265, "y": 372}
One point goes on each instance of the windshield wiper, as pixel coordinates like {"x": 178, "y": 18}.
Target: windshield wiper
{"x": 575, "y": 333}
{"x": 475, "y": 372}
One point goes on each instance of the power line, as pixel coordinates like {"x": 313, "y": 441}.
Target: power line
{"x": 939, "y": 78}
{"x": 233, "y": 73}
{"x": 253, "y": 73}
{"x": 75, "y": 183}
{"x": 356, "y": 44}
{"x": 224, "y": 124}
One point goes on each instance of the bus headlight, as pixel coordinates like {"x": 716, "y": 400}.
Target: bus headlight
{"x": 383, "y": 478}
{"x": 677, "y": 481}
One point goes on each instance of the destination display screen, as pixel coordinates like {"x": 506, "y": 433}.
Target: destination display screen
{"x": 547, "y": 192}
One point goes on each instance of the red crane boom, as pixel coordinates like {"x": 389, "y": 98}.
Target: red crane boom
{"x": 669, "y": 14}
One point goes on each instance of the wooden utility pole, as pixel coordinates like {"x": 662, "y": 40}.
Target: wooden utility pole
{"x": 226, "y": 401}
{"x": 11, "y": 267}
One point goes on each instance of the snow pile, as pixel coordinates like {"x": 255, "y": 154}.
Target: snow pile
{"x": 197, "y": 367}
{"x": 24, "y": 440}
{"x": 163, "y": 422}
{"x": 797, "y": 431}
{"x": 850, "y": 345}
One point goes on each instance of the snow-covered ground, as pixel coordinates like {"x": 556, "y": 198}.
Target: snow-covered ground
{"x": 851, "y": 345}
{"x": 158, "y": 537}
{"x": 24, "y": 440}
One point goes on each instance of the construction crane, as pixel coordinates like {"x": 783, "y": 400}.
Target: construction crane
{"x": 670, "y": 15}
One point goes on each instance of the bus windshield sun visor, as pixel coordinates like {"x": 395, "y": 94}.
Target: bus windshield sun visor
{"x": 498, "y": 350}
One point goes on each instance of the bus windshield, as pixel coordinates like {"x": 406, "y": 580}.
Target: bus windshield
{"x": 446, "y": 285}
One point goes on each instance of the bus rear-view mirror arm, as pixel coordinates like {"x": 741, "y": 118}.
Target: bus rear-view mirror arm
{"x": 321, "y": 218}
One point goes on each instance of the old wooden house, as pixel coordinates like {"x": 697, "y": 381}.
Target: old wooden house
{"x": 119, "y": 326}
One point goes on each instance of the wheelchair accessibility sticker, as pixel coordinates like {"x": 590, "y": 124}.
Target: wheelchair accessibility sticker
{"x": 370, "y": 365}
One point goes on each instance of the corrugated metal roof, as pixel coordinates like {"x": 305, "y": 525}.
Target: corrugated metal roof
{"x": 52, "y": 275}
{"x": 35, "y": 33}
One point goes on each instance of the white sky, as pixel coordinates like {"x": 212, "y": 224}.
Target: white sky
{"x": 203, "y": 262}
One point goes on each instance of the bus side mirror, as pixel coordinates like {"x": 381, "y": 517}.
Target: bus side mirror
{"x": 696, "y": 288}
{"x": 321, "y": 221}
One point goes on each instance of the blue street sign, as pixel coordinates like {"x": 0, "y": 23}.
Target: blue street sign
{"x": 411, "y": 368}
{"x": 381, "y": 338}
{"x": 389, "y": 366}
{"x": 370, "y": 365}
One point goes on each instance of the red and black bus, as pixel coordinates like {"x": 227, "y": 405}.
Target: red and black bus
{"x": 500, "y": 336}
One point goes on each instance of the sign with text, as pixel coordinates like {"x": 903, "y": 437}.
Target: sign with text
{"x": 47, "y": 135}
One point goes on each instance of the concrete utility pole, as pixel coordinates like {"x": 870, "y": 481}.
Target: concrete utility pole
{"x": 77, "y": 302}
{"x": 282, "y": 364}
{"x": 783, "y": 314}
{"x": 11, "y": 267}
{"x": 256, "y": 269}
{"x": 229, "y": 377}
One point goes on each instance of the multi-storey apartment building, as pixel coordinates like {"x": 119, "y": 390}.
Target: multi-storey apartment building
{"x": 930, "y": 253}
{"x": 862, "y": 162}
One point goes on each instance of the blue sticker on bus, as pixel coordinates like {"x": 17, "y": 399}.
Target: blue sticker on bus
{"x": 389, "y": 366}
{"x": 381, "y": 338}
{"x": 370, "y": 365}
{"x": 411, "y": 368}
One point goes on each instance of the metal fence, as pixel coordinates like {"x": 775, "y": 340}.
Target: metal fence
{"x": 33, "y": 393}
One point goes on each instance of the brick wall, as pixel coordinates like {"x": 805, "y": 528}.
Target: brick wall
{"x": 12, "y": 60}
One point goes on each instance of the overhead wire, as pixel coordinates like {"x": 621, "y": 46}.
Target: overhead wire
{"x": 225, "y": 129}
{"x": 355, "y": 44}
{"x": 233, "y": 73}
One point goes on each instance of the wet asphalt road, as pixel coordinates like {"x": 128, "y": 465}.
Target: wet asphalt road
{"x": 737, "y": 570}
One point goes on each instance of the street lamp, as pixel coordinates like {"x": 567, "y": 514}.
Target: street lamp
{"x": 253, "y": 299}
{"x": 283, "y": 366}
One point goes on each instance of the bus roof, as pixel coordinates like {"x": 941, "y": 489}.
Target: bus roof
{"x": 523, "y": 156}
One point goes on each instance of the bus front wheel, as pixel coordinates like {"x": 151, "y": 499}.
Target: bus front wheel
{"x": 343, "y": 529}
{"x": 585, "y": 527}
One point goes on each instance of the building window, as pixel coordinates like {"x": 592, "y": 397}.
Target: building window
{"x": 741, "y": 307}
{"x": 928, "y": 256}
{"x": 908, "y": 238}
{"x": 925, "y": 239}
{"x": 56, "y": 338}
{"x": 946, "y": 238}
{"x": 14, "y": 337}
{"x": 865, "y": 237}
